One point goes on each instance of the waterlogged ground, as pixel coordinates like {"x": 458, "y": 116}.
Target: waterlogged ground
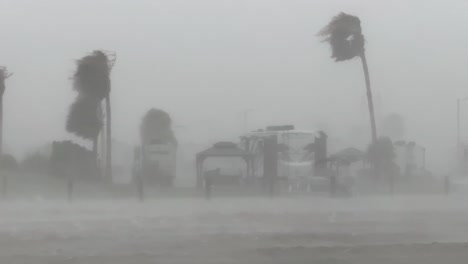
{"x": 233, "y": 230}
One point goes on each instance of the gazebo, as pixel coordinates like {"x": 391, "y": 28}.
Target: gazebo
{"x": 347, "y": 156}
{"x": 222, "y": 149}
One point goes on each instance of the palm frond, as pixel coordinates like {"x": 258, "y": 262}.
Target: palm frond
{"x": 344, "y": 34}
{"x": 84, "y": 119}
{"x": 111, "y": 59}
{"x": 157, "y": 124}
{"x": 4, "y": 74}
{"x": 92, "y": 76}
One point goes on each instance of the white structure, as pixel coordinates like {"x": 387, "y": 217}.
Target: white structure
{"x": 295, "y": 162}
{"x": 410, "y": 157}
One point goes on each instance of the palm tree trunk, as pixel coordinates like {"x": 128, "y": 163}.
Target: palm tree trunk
{"x": 70, "y": 188}
{"x": 1, "y": 126}
{"x": 369, "y": 97}
{"x": 5, "y": 176}
{"x": 95, "y": 156}
{"x": 374, "y": 167}
{"x": 95, "y": 148}
{"x": 4, "y": 184}
{"x": 109, "y": 140}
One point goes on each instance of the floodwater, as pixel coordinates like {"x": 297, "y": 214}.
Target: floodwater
{"x": 424, "y": 229}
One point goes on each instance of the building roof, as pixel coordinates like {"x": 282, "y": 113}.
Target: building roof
{"x": 263, "y": 133}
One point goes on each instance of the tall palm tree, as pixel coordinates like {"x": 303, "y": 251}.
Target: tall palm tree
{"x": 344, "y": 34}
{"x": 111, "y": 57}
{"x": 92, "y": 78}
{"x": 3, "y": 76}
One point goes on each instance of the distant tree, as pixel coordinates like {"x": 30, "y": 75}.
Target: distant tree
{"x": 3, "y": 76}
{"x": 36, "y": 162}
{"x": 92, "y": 79}
{"x": 157, "y": 125}
{"x": 71, "y": 161}
{"x": 8, "y": 163}
{"x": 344, "y": 34}
{"x": 156, "y": 128}
{"x": 393, "y": 126}
{"x": 68, "y": 158}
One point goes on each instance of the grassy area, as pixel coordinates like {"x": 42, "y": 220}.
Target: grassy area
{"x": 39, "y": 186}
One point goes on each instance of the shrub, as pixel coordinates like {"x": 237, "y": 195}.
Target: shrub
{"x": 8, "y": 163}
{"x": 36, "y": 162}
{"x": 72, "y": 160}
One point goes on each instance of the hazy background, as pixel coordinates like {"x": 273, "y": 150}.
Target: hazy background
{"x": 207, "y": 61}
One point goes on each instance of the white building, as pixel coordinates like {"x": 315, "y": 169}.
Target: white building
{"x": 410, "y": 157}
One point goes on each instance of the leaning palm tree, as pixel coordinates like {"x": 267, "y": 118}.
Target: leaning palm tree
{"x": 344, "y": 34}
{"x": 3, "y": 76}
{"x": 92, "y": 78}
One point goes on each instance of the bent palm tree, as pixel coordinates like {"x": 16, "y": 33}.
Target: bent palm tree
{"x": 92, "y": 78}
{"x": 3, "y": 76}
{"x": 344, "y": 34}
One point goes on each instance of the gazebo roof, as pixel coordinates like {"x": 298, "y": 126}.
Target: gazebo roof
{"x": 348, "y": 155}
{"x": 224, "y": 149}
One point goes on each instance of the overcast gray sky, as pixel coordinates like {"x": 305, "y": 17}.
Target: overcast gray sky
{"x": 206, "y": 61}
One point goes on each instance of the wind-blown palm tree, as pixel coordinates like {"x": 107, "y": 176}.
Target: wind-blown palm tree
{"x": 92, "y": 78}
{"x": 84, "y": 120}
{"x": 157, "y": 125}
{"x": 3, "y": 76}
{"x": 155, "y": 129}
{"x": 345, "y": 36}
